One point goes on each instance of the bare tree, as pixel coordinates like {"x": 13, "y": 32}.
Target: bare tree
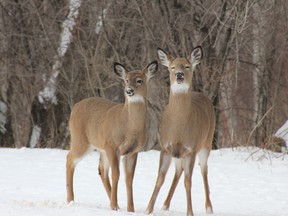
{"x": 244, "y": 70}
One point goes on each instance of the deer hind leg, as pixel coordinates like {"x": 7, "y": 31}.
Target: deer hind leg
{"x": 103, "y": 170}
{"x": 178, "y": 173}
{"x": 70, "y": 167}
{"x": 76, "y": 153}
{"x": 203, "y": 155}
{"x": 129, "y": 168}
{"x": 114, "y": 158}
{"x": 189, "y": 162}
{"x": 164, "y": 164}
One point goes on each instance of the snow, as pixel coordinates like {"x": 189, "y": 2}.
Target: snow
{"x": 283, "y": 132}
{"x": 242, "y": 182}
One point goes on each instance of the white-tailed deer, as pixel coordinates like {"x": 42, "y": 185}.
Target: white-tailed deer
{"x": 187, "y": 129}
{"x": 114, "y": 130}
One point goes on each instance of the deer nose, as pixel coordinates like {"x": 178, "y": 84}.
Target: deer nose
{"x": 129, "y": 91}
{"x": 179, "y": 75}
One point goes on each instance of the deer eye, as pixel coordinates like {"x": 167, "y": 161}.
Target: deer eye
{"x": 187, "y": 66}
{"x": 173, "y": 67}
{"x": 139, "y": 81}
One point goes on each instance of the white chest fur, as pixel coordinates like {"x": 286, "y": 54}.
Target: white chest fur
{"x": 179, "y": 88}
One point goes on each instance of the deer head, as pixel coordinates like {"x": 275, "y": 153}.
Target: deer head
{"x": 136, "y": 81}
{"x": 181, "y": 69}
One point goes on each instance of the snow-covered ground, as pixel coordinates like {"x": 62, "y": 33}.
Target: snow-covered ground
{"x": 242, "y": 182}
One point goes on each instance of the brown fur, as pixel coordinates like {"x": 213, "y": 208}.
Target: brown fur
{"x": 112, "y": 129}
{"x": 188, "y": 124}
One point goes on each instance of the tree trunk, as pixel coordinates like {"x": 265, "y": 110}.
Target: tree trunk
{"x": 261, "y": 74}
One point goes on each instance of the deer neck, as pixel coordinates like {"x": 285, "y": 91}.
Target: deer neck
{"x": 180, "y": 96}
{"x": 136, "y": 114}
{"x": 180, "y": 105}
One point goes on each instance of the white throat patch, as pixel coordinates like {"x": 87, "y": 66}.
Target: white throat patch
{"x": 135, "y": 99}
{"x": 179, "y": 88}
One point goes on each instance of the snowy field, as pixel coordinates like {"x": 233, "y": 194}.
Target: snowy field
{"x": 242, "y": 182}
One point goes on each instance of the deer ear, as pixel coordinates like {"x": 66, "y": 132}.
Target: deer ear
{"x": 119, "y": 70}
{"x": 196, "y": 56}
{"x": 163, "y": 57}
{"x": 151, "y": 69}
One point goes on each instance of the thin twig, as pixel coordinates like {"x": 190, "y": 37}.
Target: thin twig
{"x": 257, "y": 125}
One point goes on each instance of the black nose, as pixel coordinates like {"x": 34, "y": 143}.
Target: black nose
{"x": 130, "y": 91}
{"x": 179, "y": 75}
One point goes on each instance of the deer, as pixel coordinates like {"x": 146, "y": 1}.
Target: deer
{"x": 113, "y": 129}
{"x": 187, "y": 129}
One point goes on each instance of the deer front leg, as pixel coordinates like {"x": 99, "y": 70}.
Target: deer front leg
{"x": 188, "y": 170}
{"x": 113, "y": 158}
{"x": 130, "y": 161}
{"x": 164, "y": 163}
{"x": 203, "y": 155}
{"x": 178, "y": 173}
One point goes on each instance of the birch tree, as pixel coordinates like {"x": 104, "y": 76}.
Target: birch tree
{"x": 28, "y": 44}
{"x": 47, "y": 96}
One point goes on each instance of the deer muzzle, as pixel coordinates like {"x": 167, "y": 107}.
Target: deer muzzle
{"x": 179, "y": 77}
{"x": 130, "y": 91}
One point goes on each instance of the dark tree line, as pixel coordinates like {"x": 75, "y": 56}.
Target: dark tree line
{"x": 244, "y": 70}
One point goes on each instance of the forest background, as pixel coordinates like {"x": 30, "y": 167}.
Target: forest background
{"x": 53, "y": 53}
